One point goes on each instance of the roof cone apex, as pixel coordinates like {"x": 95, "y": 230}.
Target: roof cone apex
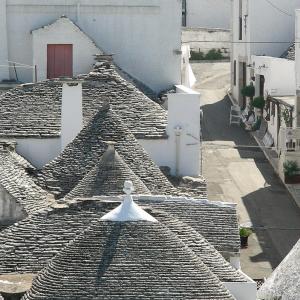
{"x": 128, "y": 211}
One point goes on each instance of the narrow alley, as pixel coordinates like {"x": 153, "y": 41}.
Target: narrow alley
{"x": 237, "y": 171}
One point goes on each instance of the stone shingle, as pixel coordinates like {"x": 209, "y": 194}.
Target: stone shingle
{"x": 107, "y": 178}
{"x": 28, "y": 245}
{"x": 216, "y": 221}
{"x": 80, "y": 156}
{"x": 127, "y": 260}
{"x": 34, "y": 110}
{"x": 284, "y": 282}
{"x": 201, "y": 247}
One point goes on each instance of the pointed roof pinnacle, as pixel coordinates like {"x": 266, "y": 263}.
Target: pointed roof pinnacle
{"x": 128, "y": 210}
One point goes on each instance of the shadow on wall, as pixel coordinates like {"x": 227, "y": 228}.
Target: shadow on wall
{"x": 273, "y": 212}
{"x": 10, "y": 210}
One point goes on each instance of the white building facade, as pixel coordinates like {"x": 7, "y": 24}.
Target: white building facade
{"x": 206, "y": 13}
{"x": 273, "y": 76}
{"x": 258, "y": 28}
{"x": 144, "y": 35}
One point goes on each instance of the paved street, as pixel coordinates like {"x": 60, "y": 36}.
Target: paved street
{"x": 237, "y": 171}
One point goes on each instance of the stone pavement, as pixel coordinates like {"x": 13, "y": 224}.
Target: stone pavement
{"x": 237, "y": 171}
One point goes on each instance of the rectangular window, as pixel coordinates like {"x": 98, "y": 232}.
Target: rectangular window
{"x": 240, "y": 20}
{"x": 234, "y": 72}
{"x": 184, "y": 13}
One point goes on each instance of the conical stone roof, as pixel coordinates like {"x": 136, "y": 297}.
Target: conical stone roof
{"x": 200, "y": 246}
{"x": 127, "y": 260}
{"x": 284, "y": 282}
{"x": 107, "y": 178}
{"x": 28, "y": 246}
{"x": 82, "y": 154}
{"x": 34, "y": 109}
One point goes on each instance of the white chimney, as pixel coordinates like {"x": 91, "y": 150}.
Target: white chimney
{"x": 71, "y": 112}
{"x": 184, "y": 132}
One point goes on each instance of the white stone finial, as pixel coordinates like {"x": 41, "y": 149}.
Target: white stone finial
{"x": 128, "y": 187}
{"x": 128, "y": 210}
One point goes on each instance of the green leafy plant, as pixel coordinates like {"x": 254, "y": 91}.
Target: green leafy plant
{"x": 214, "y": 54}
{"x": 248, "y": 90}
{"x": 286, "y": 114}
{"x": 197, "y": 55}
{"x": 290, "y": 168}
{"x": 259, "y": 102}
{"x": 245, "y": 232}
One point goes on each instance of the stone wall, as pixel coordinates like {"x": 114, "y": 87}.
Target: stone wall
{"x": 204, "y": 39}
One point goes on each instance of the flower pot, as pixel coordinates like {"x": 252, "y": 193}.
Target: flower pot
{"x": 292, "y": 179}
{"x": 244, "y": 242}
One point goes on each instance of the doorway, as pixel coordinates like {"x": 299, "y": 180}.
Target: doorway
{"x": 242, "y": 83}
{"x": 59, "y": 60}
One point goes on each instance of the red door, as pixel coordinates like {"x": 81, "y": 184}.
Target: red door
{"x": 59, "y": 60}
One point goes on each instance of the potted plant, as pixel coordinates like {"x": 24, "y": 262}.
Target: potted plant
{"x": 248, "y": 91}
{"x": 259, "y": 102}
{"x": 291, "y": 170}
{"x": 244, "y": 234}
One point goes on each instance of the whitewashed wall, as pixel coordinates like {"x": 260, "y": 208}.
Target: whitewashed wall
{"x": 39, "y": 151}
{"x": 71, "y": 113}
{"x": 183, "y": 113}
{"x": 259, "y": 37}
{"x": 242, "y": 290}
{"x": 263, "y": 18}
{"x": 63, "y": 31}
{"x": 208, "y": 13}
{"x": 279, "y": 75}
{"x": 217, "y": 39}
{"x": 4, "y": 72}
{"x": 10, "y": 210}
{"x": 143, "y": 34}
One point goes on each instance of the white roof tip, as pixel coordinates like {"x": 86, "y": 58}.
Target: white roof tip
{"x": 128, "y": 210}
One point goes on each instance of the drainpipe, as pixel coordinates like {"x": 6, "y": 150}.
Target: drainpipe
{"x": 177, "y": 131}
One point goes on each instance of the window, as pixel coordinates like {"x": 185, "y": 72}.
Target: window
{"x": 234, "y": 72}
{"x": 184, "y": 13}
{"x": 240, "y": 20}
